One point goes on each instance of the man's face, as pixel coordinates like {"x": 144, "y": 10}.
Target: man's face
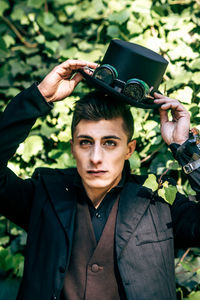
{"x": 100, "y": 149}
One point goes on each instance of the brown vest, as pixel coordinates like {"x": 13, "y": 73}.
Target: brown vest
{"x": 91, "y": 272}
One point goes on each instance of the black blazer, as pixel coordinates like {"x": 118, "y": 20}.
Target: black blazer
{"x": 45, "y": 206}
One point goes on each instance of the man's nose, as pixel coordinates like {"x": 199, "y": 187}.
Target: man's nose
{"x": 96, "y": 154}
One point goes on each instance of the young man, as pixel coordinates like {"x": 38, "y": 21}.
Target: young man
{"x": 95, "y": 232}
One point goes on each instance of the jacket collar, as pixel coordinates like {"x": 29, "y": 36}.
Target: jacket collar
{"x": 63, "y": 198}
{"x": 134, "y": 201}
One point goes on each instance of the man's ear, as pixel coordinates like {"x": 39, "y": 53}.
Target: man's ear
{"x": 72, "y": 147}
{"x": 130, "y": 148}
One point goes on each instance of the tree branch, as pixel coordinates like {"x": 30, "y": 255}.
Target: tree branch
{"x": 18, "y": 34}
{"x": 150, "y": 155}
{"x": 183, "y": 257}
{"x": 46, "y": 6}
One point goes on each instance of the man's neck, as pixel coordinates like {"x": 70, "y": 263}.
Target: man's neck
{"x": 97, "y": 195}
{"x": 98, "y": 198}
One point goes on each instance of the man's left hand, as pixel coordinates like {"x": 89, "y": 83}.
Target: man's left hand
{"x": 177, "y": 129}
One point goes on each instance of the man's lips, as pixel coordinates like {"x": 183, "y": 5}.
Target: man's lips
{"x": 97, "y": 172}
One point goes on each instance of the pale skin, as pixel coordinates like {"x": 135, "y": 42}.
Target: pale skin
{"x": 101, "y": 148}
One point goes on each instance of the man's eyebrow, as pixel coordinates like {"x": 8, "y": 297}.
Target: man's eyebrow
{"x": 111, "y": 137}
{"x": 81, "y": 136}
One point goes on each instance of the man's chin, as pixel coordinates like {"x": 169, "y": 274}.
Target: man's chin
{"x": 99, "y": 183}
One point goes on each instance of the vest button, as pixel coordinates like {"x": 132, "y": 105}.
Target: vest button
{"x": 95, "y": 268}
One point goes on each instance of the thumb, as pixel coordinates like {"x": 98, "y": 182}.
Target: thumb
{"x": 76, "y": 79}
{"x": 163, "y": 116}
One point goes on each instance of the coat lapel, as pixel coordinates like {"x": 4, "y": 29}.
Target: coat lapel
{"x": 63, "y": 198}
{"x": 134, "y": 201}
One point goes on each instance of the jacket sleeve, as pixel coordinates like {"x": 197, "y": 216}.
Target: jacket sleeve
{"x": 15, "y": 124}
{"x": 185, "y": 154}
{"x": 186, "y": 222}
{"x": 186, "y": 213}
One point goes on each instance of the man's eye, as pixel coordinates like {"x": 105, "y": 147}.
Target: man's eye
{"x": 110, "y": 143}
{"x": 85, "y": 142}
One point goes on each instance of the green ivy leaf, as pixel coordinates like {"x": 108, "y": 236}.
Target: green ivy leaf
{"x": 19, "y": 67}
{"x": 193, "y": 296}
{"x": 119, "y": 17}
{"x": 151, "y": 182}
{"x": 53, "y": 46}
{"x": 4, "y": 5}
{"x": 184, "y": 95}
{"x": 18, "y": 263}
{"x": 172, "y": 165}
{"x": 133, "y": 27}
{"x": 32, "y": 146}
{"x": 113, "y": 31}
{"x": 35, "y": 3}
{"x": 3, "y": 48}
{"x": 195, "y": 64}
{"x": 18, "y": 13}
{"x": 9, "y": 40}
{"x": 35, "y": 60}
{"x": 4, "y": 240}
{"x": 134, "y": 161}
{"x": 98, "y": 5}
{"x": 168, "y": 192}
{"x": 49, "y": 18}
{"x": 196, "y": 77}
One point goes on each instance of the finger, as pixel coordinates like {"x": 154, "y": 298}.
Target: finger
{"x": 76, "y": 64}
{"x": 165, "y": 100}
{"x": 177, "y": 109}
{"x": 163, "y": 116}
{"x": 169, "y": 103}
{"x": 88, "y": 70}
{"x": 159, "y": 96}
{"x": 173, "y": 105}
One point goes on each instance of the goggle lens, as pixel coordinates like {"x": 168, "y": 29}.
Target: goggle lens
{"x": 133, "y": 88}
{"x": 137, "y": 89}
{"x": 105, "y": 73}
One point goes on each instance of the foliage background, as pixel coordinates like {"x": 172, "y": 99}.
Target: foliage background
{"x": 35, "y": 35}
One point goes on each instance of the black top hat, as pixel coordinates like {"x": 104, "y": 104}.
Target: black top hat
{"x": 130, "y": 61}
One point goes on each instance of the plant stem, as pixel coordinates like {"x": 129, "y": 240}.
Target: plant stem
{"x": 18, "y": 34}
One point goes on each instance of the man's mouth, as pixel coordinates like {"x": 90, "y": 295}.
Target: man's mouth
{"x": 96, "y": 172}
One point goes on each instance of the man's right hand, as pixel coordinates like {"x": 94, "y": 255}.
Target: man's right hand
{"x": 60, "y": 82}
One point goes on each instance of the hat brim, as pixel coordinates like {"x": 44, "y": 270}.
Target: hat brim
{"x": 103, "y": 87}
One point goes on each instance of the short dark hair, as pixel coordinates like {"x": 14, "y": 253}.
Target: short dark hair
{"x": 96, "y": 106}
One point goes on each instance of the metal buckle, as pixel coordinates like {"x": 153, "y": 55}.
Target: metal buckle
{"x": 188, "y": 168}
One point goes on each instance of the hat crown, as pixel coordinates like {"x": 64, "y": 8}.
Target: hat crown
{"x": 135, "y": 61}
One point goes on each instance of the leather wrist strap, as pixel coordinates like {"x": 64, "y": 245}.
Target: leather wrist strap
{"x": 190, "y": 167}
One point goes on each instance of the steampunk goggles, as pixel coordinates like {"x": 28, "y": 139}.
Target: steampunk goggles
{"x": 133, "y": 88}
